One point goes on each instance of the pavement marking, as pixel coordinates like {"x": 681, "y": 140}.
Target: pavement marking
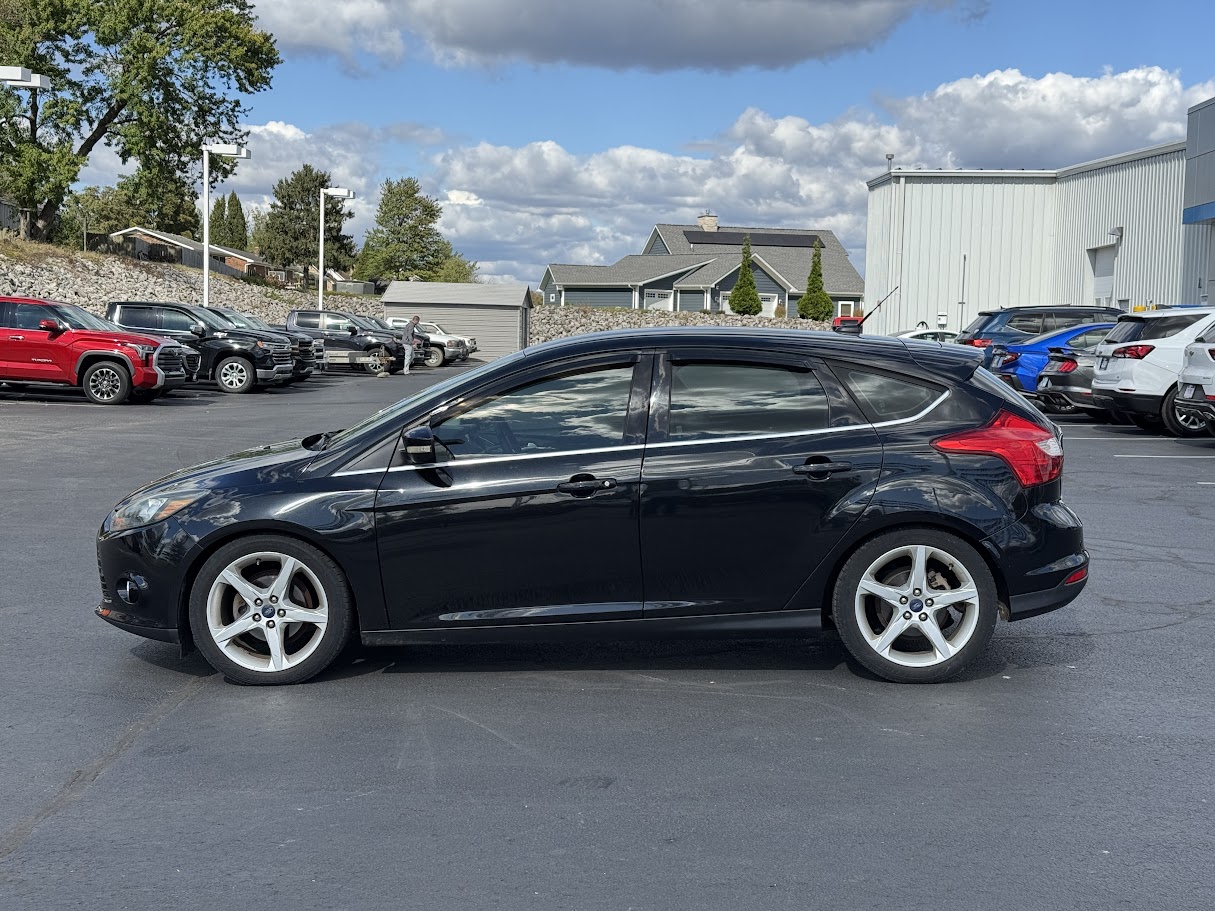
{"x": 1120, "y": 456}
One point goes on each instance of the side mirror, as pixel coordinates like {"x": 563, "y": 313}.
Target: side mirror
{"x": 52, "y": 326}
{"x": 199, "y": 329}
{"x": 419, "y": 445}
{"x": 353, "y": 330}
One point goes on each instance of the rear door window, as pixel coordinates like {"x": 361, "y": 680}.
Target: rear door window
{"x": 308, "y": 320}
{"x": 713, "y": 400}
{"x": 885, "y": 396}
{"x": 139, "y": 318}
{"x": 1030, "y": 323}
{"x": 176, "y": 321}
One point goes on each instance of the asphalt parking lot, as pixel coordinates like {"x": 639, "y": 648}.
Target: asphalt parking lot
{"x": 1071, "y": 767}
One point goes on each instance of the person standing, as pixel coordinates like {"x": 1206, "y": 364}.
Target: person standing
{"x": 414, "y": 338}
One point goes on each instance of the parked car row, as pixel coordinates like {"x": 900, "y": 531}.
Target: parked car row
{"x": 144, "y": 349}
{"x": 1155, "y": 369}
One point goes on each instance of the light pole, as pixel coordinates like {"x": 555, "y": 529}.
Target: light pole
{"x": 228, "y": 151}
{"x": 336, "y": 193}
{"x": 18, "y": 77}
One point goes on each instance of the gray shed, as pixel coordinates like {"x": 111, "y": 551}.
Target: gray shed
{"x": 496, "y": 315}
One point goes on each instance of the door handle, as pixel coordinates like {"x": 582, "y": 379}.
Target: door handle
{"x": 16, "y": 338}
{"x": 585, "y": 486}
{"x": 820, "y": 470}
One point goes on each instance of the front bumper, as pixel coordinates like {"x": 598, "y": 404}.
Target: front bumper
{"x": 275, "y": 374}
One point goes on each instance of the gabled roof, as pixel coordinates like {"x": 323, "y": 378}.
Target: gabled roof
{"x": 505, "y": 294}
{"x": 636, "y": 269}
{"x": 178, "y": 240}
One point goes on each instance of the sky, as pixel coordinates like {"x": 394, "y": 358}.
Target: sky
{"x": 560, "y": 132}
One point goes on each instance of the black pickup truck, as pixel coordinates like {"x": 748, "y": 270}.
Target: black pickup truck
{"x": 375, "y": 351}
{"x": 238, "y": 360}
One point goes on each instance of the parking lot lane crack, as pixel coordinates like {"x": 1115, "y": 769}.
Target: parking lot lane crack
{"x": 522, "y": 749}
{"x": 78, "y": 784}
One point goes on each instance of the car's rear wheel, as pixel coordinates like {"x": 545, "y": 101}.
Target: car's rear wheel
{"x": 270, "y": 610}
{"x": 235, "y": 375}
{"x": 1178, "y": 424}
{"x": 106, "y": 383}
{"x": 915, "y": 605}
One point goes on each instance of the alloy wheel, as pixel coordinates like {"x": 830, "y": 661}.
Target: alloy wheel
{"x": 105, "y": 384}
{"x": 267, "y": 611}
{"x": 917, "y": 606}
{"x": 234, "y": 375}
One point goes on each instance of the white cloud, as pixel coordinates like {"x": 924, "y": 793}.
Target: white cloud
{"x": 702, "y": 34}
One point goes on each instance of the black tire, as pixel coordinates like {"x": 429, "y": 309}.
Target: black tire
{"x": 970, "y": 631}
{"x": 1146, "y": 422}
{"x": 235, "y": 375}
{"x": 14, "y": 387}
{"x": 106, "y": 383}
{"x": 252, "y": 647}
{"x": 381, "y": 360}
{"x": 434, "y": 356}
{"x": 1176, "y": 424}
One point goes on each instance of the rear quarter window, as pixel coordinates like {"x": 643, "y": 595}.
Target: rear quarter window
{"x": 1137, "y": 328}
{"x": 308, "y": 320}
{"x": 887, "y": 396}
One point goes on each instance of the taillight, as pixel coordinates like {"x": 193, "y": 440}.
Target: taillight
{"x": 1066, "y": 366}
{"x": 1009, "y": 359}
{"x": 1030, "y": 450}
{"x": 978, "y": 342}
{"x": 1136, "y": 352}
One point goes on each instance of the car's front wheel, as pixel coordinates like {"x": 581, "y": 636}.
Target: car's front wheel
{"x": 915, "y": 605}
{"x": 106, "y": 383}
{"x": 434, "y": 356}
{"x": 235, "y": 375}
{"x": 270, "y": 610}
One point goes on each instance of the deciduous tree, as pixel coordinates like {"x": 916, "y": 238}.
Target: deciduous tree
{"x": 152, "y": 79}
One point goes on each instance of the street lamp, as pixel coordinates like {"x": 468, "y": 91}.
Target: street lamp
{"x": 228, "y": 151}
{"x": 336, "y": 193}
{"x": 18, "y": 77}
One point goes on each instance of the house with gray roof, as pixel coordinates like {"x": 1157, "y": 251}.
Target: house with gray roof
{"x": 695, "y": 267}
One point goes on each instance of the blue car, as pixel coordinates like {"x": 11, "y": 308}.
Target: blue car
{"x": 1019, "y": 365}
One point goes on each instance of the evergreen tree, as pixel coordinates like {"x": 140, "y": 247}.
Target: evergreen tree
{"x": 404, "y": 241}
{"x": 744, "y": 299}
{"x": 288, "y": 235}
{"x": 236, "y": 229}
{"x": 219, "y": 221}
{"x": 816, "y": 303}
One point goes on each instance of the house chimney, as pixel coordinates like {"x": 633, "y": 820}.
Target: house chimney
{"x": 707, "y": 222}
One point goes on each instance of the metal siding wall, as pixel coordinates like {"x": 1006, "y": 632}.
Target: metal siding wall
{"x": 1198, "y": 269}
{"x": 1142, "y": 197}
{"x": 497, "y": 329}
{"x": 690, "y": 301}
{"x": 1001, "y": 224}
{"x": 599, "y": 297}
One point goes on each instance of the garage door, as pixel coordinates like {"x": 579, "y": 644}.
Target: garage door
{"x": 496, "y": 329}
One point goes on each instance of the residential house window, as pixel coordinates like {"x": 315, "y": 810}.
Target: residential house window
{"x": 844, "y": 308}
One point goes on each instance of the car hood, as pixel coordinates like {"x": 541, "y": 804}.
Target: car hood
{"x": 252, "y": 335}
{"x": 261, "y": 464}
{"x": 117, "y": 337}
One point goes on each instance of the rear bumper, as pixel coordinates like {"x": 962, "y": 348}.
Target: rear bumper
{"x": 1033, "y": 604}
{"x": 1203, "y": 407}
{"x": 1078, "y": 396}
{"x": 1131, "y": 402}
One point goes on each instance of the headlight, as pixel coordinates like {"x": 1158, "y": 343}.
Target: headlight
{"x": 148, "y": 510}
{"x": 261, "y": 344}
{"x": 145, "y": 351}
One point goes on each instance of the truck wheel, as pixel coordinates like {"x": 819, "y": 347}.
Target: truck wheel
{"x": 434, "y": 356}
{"x": 235, "y": 374}
{"x": 106, "y": 383}
{"x": 379, "y": 360}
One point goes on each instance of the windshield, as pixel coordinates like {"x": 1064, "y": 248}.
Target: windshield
{"x": 376, "y": 321}
{"x": 214, "y": 320}
{"x": 1137, "y": 328}
{"x": 366, "y": 322}
{"x": 236, "y": 319}
{"x": 79, "y": 318}
{"x": 432, "y": 395}
{"x": 979, "y": 322}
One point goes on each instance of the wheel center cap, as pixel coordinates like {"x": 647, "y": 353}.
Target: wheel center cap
{"x": 917, "y": 604}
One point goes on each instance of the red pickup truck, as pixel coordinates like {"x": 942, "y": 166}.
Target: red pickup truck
{"x": 47, "y": 342}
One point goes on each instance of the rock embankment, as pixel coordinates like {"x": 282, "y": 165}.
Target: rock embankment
{"x": 93, "y": 280}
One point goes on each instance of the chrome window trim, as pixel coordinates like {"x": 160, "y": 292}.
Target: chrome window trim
{"x": 636, "y": 446}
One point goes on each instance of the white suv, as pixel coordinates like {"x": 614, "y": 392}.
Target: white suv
{"x": 1138, "y": 366}
{"x": 1197, "y": 381}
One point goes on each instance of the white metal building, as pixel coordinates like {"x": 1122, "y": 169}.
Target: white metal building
{"x": 1109, "y": 231}
{"x": 496, "y": 315}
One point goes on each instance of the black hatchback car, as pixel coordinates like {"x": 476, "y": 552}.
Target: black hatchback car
{"x": 632, "y": 484}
